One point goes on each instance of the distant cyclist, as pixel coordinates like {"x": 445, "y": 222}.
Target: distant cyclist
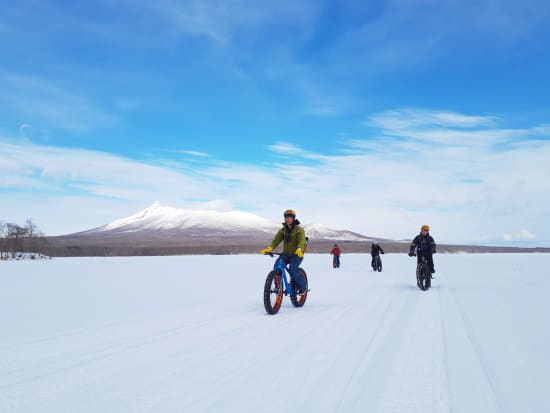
{"x": 335, "y": 252}
{"x": 375, "y": 250}
{"x": 424, "y": 244}
{"x": 294, "y": 243}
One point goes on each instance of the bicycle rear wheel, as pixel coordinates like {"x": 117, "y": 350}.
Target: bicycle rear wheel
{"x": 298, "y": 300}
{"x": 423, "y": 277}
{"x": 428, "y": 277}
{"x": 273, "y": 292}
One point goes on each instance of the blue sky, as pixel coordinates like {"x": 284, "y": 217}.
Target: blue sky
{"x": 373, "y": 117}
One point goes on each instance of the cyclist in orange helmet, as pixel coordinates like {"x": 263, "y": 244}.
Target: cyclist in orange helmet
{"x": 424, "y": 244}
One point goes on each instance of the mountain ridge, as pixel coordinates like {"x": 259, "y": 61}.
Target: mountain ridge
{"x": 207, "y": 223}
{"x": 161, "y": 230}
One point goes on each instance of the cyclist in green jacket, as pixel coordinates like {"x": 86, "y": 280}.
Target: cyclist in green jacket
{"x": 293, "y": 237}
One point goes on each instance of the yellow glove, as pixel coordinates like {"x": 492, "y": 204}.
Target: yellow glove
{"x": 267, "y": 250}
{"x": 299, "y": 253}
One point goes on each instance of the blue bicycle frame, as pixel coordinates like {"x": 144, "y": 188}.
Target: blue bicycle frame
{"x": 284, "y": 269}
{"x": 278, "y": 283}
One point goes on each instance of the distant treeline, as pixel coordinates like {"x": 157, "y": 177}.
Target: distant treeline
{"x": 131, "y": 245}
{"x": 15, "y": 239}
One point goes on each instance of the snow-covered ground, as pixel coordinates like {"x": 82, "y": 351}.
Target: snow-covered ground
{"x": 190, "y": 334}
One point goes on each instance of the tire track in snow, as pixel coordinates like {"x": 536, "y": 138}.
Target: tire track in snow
{"x": 43, "y": 339}
{"x": 444, "y": 350}
{"x": 365, "y": 358}
{"x": 224, "y": 386}
{"x": 487, "y": 385}
{"x": 537, "y": 286}
{"x": 308, "y": 338}
{"x": 418, "y": 381}
{"x": 60, "y": 364}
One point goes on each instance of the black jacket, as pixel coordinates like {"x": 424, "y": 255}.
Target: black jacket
{"x": 376, "y": 250}
{"x": 423, "y": 245}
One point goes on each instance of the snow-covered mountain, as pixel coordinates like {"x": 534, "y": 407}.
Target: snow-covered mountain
{"x": 165, "y": 218}
{"x": 159, "y": 218}
{"x": 318, "y": 231}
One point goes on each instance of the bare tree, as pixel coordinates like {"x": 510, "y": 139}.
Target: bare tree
{"x": 15, "y": 235}
{"x": 35, "y": 236}
{"x": 2, "y": 239}
{"x": 31, "y": 228}
{"x": 15, "y": 239}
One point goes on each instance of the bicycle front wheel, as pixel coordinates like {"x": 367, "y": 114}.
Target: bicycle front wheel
{"x": 298, "y": 300}
{"x": 273, "y": 292}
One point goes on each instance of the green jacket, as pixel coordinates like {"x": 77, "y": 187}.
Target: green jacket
{"x": 293, "y": 238}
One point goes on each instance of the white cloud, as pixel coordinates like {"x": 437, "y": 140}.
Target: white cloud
{"x": 525, "y": 234}
{"x": 285, "y": 148}
{"x": 196, "y": 153}
{"x": 467, "y": 190}
{"x": 24, "y": 128}
{"x": 411, "y": 118}
{"x": 220, "y": 205}
{"x": 520, "y": 236}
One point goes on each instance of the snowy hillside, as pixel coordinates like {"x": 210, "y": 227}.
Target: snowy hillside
{"x": 207, "y": 223}
{"x": 318, "y": 231}
{"x": 166, "y": 335}
{"x": 158, "y": 217}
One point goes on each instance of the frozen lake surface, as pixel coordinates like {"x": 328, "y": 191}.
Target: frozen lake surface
{"x": 190, "y": 334}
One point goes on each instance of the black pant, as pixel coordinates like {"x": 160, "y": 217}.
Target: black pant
{"x": 429, "y": 258}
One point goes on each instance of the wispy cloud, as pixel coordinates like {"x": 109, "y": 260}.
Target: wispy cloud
{"x": 385, "y": 187}
{"x": 195, "y": 153}
{"x": 286, "y": 148}
{"x": 523, "y": 235}
{"x": 44, "y": 102}
{"x": 291, "y": 150}
{"x": 222, "y": 21}
{"x": 410, "y": 34}
{"x": 410, "y": 118}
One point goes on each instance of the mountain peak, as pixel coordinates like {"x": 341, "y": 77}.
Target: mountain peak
{"x": 210, "y": 223}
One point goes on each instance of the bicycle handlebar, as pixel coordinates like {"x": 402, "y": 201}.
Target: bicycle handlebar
{"x": 271, "y": 254}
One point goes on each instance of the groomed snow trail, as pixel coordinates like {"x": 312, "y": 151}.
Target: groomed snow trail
{"x": 189, "y": 334}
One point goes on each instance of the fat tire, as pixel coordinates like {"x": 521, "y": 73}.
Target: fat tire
{"x": 269, "y": 287}
{"x": 424, "y": 277}
{"x": 428, "y": 278}
{"x": 299, "y": 300}
{"x": 419, "y": 276}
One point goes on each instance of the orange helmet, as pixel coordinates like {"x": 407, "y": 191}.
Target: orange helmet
{"x": 425, "y": 227}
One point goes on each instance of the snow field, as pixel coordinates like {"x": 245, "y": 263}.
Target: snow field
{"x": 190, "y": 334}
